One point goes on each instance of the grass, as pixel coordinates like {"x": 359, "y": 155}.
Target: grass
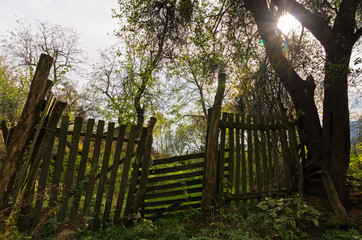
{"x": 284, "y": 218}
{"x": 289, "y": 218}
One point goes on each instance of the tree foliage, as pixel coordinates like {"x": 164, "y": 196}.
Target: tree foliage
{"x": 303, "y": 74}
{"x": 25, "y": 44}
{"x": 12, "y": 96}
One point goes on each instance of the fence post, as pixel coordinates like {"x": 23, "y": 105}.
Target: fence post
{"x": 210, "y": 181}
{"x": 30, "y": 175}
{"x": 25, "y": 128}
{"x": 145, "y": 150}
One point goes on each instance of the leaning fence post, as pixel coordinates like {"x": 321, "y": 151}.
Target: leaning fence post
{"x": 210, "y": 181}
{"x": 25, "y": 127}
{"x": 146, "y": 164}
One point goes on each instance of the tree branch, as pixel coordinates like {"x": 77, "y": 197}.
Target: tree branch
{"x": 357, "y": 34}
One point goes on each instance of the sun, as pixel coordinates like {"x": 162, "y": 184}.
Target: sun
{"x": 288, "y": 23}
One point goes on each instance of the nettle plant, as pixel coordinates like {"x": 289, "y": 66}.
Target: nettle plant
{"x": 284, "y": 217}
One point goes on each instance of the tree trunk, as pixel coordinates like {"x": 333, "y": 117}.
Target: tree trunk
{"x": 336, "y": 132}
{"x": 328, "y": 148}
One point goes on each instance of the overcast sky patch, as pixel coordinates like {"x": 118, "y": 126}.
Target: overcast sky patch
{"x": 91, "y": 18}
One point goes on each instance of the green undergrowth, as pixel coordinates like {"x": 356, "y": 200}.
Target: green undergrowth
{"x": 270, "y": 218}
{"x": 287, "y": 218}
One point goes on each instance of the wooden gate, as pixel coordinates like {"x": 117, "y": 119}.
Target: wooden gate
{"x": 174, "y": 184}
{"x": 257, "y": 156}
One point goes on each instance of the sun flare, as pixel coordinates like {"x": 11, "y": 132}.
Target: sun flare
{"x": 287, "y": 23}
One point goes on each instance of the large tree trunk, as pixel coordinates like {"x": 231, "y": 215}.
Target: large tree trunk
{"x": 328, "y": 148}
{"x": 336, "y": 130}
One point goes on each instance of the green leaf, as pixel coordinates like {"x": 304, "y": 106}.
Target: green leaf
{"x": 315, "y": 221}
{"x": 262, "y": 206}
{"x": 271, "y": 202}
{"x": 300, "y": 213}
{"x": 293, "y": 224}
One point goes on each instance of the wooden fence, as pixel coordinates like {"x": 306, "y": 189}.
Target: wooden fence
{"x": 80, "y": 170}
{"x": 107, "y": 175}
{"x": 261, "y": 159}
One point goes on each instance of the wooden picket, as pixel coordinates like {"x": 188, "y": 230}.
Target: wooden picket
{"x": 79, "y": 172}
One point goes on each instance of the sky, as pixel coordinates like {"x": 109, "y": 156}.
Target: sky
{"x": 91, "y": 18}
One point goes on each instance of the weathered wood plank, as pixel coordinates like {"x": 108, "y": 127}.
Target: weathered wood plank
{"x": 277, "y": 169}
{"x": 243, "y": 159}
{"x": 29, "y": 174}
{"x": 58, "y": 165}
{"x": 104, "y": 136}
{"x": 144, "y": 159}
{"x": 250, "y": 156}
{"x": 172, "y": 208}
{"x": 211, "y": 159}
{"x": 222, "y": 157}
{"x": 125, "y": 172}
{"x": 265, "y": 175}
{"x": 25, "y": 127}
{"x": 103, "y": 176}
{"x": 175, "y": 176}
{"x": 171, "y": 201}
{"x": 251, "y": 126}
{"x": 81, "y": 183}
{"x": 177, "y": 168}
{"x": 46, "y": 154}
{"x": 68, "y": 182}
{"x": 113, "y": 177}
{"x": 286, "y": 158}
{"x": 171, "y": 193}
{"x": 33, "y": 159}
{"x": 178, "y": 158}
{"x": 270, "y": 157}
{"x": 257, "y": 157}
{"x": 231, "y": 155}
{"x": 237, "y": 157}
{"x": 94, "y": 165}
{"x": 132, "y": 191}
{"x": 174, "y": 185}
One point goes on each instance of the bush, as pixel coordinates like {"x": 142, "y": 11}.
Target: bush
{"x": 284, "y": 218}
